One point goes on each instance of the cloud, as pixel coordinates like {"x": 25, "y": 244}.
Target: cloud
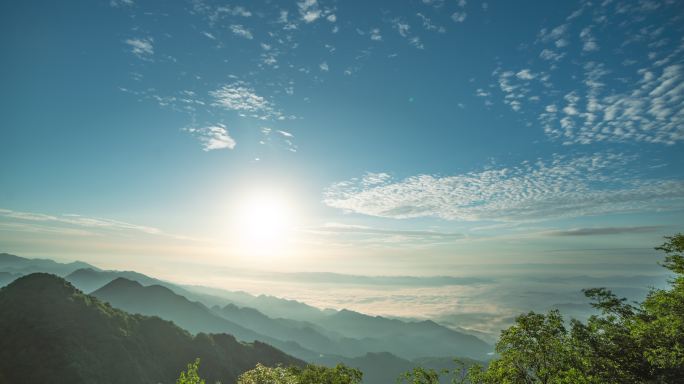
{"x": 283, "y": 138}
{"x": 241, "y": 31}
{"x": 404, "y": 30}
{"x": 652, "y": 111}
{"x": 459, "y": 17}
{"x": 338, "y": 228}
{"x": 375, "y": 34}
{"x": 235, "y": 11}
{"x": 429, "y": 25}
{"x": 548, "y": 54}
{"x": 590, "y": 43}
{"x": 643, "y": 102}
{"x": 213, "y": 137}
{"x": 121, "y": 3}
{"x": 238, "y": 96}
{"x": 75, "y": 220}
{"x": 604, "y": 231}
{"x": 309, "y": 10}
{"x": 559, "y": 32}
{"x": 404, "y": 281}
{"x": 324, "y": 67}
{"x": 525, "y": 74}
{"x": 560, "y": 187}
{"x": 142, "y": 47}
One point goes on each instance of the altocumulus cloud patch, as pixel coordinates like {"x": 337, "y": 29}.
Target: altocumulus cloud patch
{"x": 560, "y": 187}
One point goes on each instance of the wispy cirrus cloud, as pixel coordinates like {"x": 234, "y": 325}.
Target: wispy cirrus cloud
{"x": 338, "y": 228}
{"x": 74, "y": 220}
{"x": 604, "y": 231}
{"x": 560, "y": 187}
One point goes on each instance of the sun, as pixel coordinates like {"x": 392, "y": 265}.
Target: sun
{"x": 263, "y": 224}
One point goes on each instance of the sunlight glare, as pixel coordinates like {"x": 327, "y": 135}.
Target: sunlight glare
{"x": 263, "y": 224}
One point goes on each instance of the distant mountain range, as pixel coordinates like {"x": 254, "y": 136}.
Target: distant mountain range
{"x": 382, "y": 347}
{"x": 52, "y": 333}
{"x": 23, "y": 266}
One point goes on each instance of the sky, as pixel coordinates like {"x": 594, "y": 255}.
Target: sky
{"x": 501, "y": 154}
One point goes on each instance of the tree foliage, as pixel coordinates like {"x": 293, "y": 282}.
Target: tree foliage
{"x": 190, "y": 376}
{"x": 311, "y": 374}
{"x": 623, "y": 343}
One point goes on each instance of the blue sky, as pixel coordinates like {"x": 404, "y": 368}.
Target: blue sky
{"x": 402, "y": 137}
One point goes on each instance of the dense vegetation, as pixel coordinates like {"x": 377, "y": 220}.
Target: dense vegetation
{"x": 52, "y": 333}
{"x": 261, "y": 374}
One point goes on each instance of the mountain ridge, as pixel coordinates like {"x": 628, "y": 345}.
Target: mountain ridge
{"x": 52, "y": 332}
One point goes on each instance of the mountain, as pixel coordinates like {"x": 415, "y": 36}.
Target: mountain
{"x": 352, "y": 333}
{"x": 306, "y": 334}
{"x": 297, "y": 328}
{"x": 155, "y": 300}
{"x": 89, "y": 279}
{"x": 271, "y": 306}
{"x": 7, "y": 277}
{"x": 51, "y": 332}
{"x": 384, "y": 367}
{"x": 23, "y": 266}
{"x": 408, "y": 340}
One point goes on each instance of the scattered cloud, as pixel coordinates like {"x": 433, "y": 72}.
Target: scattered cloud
{"x": 240, "y": 97}
{"x": 429, "y": 25}
{"x": 213, "y": 137}
{"x": 577, "y": 97}
{"x": 404, "y": 30}
{"x": 525, "y": 74}
{"x": 560, "y": 187}
{"x": 590, "y": 43}
{"x": 459, "y": 17}
{"x": 309, "y": 10}
{"x": 121, "y": 3}
{"x": 241, "y": 31}
{"x": 142, "y": 47}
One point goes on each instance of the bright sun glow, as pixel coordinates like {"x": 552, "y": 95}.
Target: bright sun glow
{"x": 263, "y": 224}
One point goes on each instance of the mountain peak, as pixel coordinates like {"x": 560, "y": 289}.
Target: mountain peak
{"x": 83, "y": 272}
{"x": 41, "y": 282}
{"x": 121, "y": 282}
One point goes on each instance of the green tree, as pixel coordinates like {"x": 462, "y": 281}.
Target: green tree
{"x": 311, "y": 374}
{"x": 190, "y": 376}
{"x": 420, "y": 375}
{"x": 537, "y": 349}
{"x": 340, "y": 374}
{"x": 623, "y": 343}
{"x": 269, "y": 375}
